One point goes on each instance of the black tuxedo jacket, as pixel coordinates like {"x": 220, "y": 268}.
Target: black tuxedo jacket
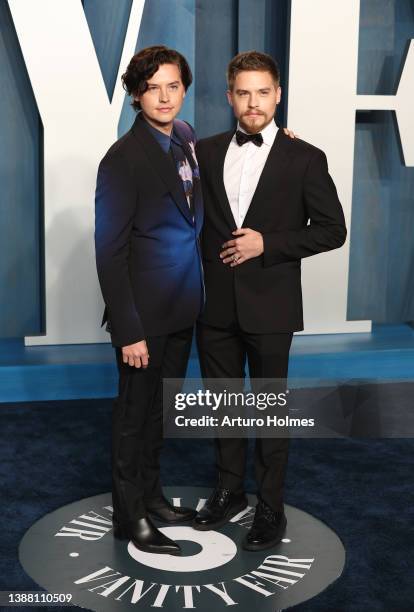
{"x": 146, "y": 239}
{"x": 296, "y": 209}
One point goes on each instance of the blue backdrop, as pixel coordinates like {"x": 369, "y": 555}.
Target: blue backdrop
{"x": 208, "y": 33}
{"x": 381, "y": 281}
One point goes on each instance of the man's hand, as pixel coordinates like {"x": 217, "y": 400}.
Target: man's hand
{"x": 247, "y": 244}
{"x": 136, "y": 355}
{"x": 290, "y": 133}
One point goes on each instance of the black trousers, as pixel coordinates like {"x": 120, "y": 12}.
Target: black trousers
{"x": 223, "y": 354}
{"x": 137, "y": 423}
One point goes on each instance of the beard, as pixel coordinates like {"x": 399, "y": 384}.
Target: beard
{"x": 253, "y": 124}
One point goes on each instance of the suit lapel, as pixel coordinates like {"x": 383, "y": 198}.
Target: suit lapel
{"x": 161, "y": 162}
{"x": 274, "y": 168}
{"x": 222, "y": 146}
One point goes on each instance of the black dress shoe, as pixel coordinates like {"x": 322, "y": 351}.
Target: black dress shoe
{"x": 146, "y": 537}
{"x": 267, "y": 529}
{"x": 220, "y": 507}
{"x": 161, "y": 509}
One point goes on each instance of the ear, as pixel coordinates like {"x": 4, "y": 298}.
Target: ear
{"x": 229, "y": 97}
{"x": 278, "y": 95}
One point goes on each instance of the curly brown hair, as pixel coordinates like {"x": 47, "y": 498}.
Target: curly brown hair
{"x": 145, "y": 64}
{"x": 252, "y": 60}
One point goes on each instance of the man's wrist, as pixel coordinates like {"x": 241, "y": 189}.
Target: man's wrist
{"x": 261, "y": 243}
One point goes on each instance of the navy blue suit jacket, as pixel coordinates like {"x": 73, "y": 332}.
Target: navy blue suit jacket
{"x": 146, "y": 239}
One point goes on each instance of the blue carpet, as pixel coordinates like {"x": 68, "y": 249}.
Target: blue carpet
{"x": 56, "y": 452}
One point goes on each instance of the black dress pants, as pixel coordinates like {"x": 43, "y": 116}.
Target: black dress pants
{"x": 137, "y": 423}
{"x": 222, "y": 354}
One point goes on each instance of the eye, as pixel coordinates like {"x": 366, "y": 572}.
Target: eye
{"x": 174, "y": 87}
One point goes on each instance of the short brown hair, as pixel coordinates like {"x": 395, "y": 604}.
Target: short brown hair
{"x": 252, "y": 60}
{"x": 145, "y": 64}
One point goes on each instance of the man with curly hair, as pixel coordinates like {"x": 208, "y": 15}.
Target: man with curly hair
{"x": 148, "y": 221}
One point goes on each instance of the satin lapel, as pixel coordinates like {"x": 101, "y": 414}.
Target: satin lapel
{"x": 161, "y": 162}
{"x": 273, "y": 170}
{"x": 221, "y": 149}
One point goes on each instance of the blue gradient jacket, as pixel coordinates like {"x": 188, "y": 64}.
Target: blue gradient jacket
{"x": 146, "y": 238}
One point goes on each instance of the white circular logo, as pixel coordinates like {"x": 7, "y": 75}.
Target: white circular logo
{"x": 217, "y": 549}
{"x": 73, "y": 551}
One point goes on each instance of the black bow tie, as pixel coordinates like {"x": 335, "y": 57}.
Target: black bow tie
{"x": 242, "y": 138}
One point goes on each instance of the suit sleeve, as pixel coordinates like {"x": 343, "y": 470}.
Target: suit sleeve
{"x": 115, "y": 203}
{"x": 326, "y": 229}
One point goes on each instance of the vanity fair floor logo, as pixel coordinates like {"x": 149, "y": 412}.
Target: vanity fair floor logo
{"x": 72, "y": 550}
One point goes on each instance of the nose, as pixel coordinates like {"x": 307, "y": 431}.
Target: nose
{"x": 163, "y": 94}
{"x": 253, "y": 100}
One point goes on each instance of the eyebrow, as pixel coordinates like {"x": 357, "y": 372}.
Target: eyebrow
{"x": 168, "y": 84}
{"x": 239, "y": 91}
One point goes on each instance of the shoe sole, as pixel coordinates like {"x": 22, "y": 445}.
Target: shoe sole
{"x": 221, "y": 522}
{"x": 266, "y": 545}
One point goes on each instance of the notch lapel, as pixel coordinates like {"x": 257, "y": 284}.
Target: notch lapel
{"x": 161, "y": 162}
{"x": 221, "y": 150}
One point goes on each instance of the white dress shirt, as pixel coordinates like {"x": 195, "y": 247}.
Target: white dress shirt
{"x": 243, "y": 167}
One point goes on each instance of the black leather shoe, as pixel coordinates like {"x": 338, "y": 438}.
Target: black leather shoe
{"x": 220, "y": 507}
{"x": 267, "y": 529}
{"x": 161, "y": 509}
{"x": 146, "y": 537}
